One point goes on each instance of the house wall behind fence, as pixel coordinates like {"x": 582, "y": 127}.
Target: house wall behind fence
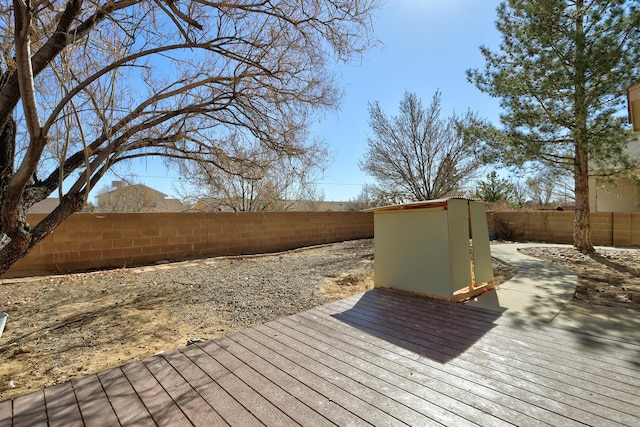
{"x": 620, "y": 229}
{"x": 85, "y": 241}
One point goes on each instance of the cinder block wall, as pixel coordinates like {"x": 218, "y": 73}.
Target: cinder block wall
{"x": 620, "y": 229}
{"x": 85, "y": 241}
{"x": 626, "y": 229}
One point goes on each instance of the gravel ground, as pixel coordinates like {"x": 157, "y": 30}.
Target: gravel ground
{"x": 245, "y": 291}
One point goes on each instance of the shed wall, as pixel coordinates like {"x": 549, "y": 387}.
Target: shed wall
{"x": 412, "y": 249}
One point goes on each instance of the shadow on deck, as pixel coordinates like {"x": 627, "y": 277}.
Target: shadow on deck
{"x": 424, "y": 326}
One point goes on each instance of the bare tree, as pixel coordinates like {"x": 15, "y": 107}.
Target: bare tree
{"x": 127, "y": 197}
{"x": 367, "y": 198}
{"x": 519, "y": 193}
{"x": 541, "y": 188}
{"x": 85, "y": 85}
{"x": 418, "y": 155}
{"x": 134, "y": 199}
{"x": 255, "y": 178}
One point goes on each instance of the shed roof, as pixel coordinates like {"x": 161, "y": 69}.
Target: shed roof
{"x": 426, "y": 204}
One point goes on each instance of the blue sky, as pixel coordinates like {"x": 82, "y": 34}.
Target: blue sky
{"x": 425, "y": 45}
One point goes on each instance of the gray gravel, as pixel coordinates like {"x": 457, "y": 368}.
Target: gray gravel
{"x": 245, "y": 291}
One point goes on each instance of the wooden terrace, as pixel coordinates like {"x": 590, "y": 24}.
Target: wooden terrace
{"x": 380, "y": 358}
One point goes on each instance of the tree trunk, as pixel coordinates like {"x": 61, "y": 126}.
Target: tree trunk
{"x": 7, "y": 155}
{"x": 10, "y": 252}
{"x": 17, "y": 238}
{"x": 582, "y": 219}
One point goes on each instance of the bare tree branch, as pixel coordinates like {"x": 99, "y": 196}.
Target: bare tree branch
{"x": 417, "y": 155}
{"x": 124, "y": 79}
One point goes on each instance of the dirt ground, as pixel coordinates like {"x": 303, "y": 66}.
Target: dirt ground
{"x": 609, "y": 278}
{"x": 64, "y": 327}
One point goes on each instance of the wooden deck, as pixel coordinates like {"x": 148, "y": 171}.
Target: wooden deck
{"x": 381, "y": 358}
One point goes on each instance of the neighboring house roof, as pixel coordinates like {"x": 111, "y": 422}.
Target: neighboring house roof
{"x": 47, "y": 206}
{"x": 212, "y": 204}
{"x": 174, "y": 205}
{"x": 137, "y": 198}
{"x": 131, "y": 188}
{"x": 335, "y": 206}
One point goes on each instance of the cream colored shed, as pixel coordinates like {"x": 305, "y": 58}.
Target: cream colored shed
{"x": 425, "y": 248}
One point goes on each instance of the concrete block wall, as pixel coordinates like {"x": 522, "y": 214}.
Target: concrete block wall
{"x": 626, "y": 229}
{"x": 540, "y": 226}
{"x": 621, "y": 229}
{"x": 85, "y": 241}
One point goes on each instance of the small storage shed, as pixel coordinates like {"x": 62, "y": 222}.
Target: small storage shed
{"x": 439, "y": 248}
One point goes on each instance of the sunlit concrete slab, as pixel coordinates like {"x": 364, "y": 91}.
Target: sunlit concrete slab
{"x": 538, "y": 290}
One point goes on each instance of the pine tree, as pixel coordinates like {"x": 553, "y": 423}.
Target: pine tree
{"x": 561, "y": 74}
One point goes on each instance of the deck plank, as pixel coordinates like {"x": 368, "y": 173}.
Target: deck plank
{"x": 319, "y": 380}
{"x": 230, "y": 353}
{"x": 351, "y": 392}
{"x": 610, "y": 354}
{"x": 225, "y": 405}
{"x": 519, "y": 327}
{"x": 6, "y": 413}
{"x": 423, "y": 371}
{"x": 29, "y": 410}
{"x": 523, "y": 390}
{"x": 93, "y": 402}
{"x": 161, "y": 407}
{"x": 380, "y": 358}
{"x": 486, "y": 376}
{"x": 595, "y": 368}
{"x": 269, "y": 364}
{"x": 62, "y": 406}
{"x": 610, "y": 350}
{"x": 591, "y": 366}
{"x": 367, "y": 385}
{"x": 349, "y": 353}
{"x": 458, "y": 377}
{"x": 199, "y": 412}
{"x": 125, "y": 402}
{"x": 206, "y": 357}
{"x": 430, "y": 335}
